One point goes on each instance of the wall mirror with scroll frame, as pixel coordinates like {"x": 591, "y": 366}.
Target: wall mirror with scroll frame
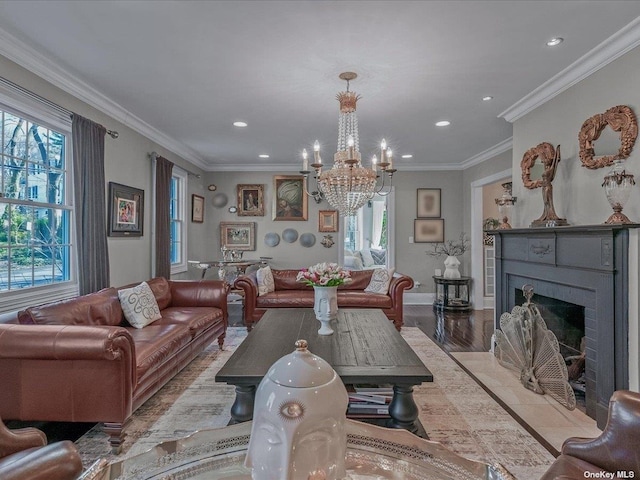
{"x": 607, "y": 136}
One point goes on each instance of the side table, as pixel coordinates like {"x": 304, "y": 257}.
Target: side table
{"x": 452, "y": 294}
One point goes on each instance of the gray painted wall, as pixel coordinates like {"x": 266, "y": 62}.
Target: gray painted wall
{"x": 126, "y": 162}
{"x": 577, "y": 191}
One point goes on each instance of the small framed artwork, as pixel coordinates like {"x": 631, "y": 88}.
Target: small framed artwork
{"x": 289, "y": 198}
{"x": 428, "y": 231}
{"x": 238, "y": 235}
{"x": 197, "y": 208}
{"x": 250, "y": 200}
{"x": 126, "y": 211}
{"x": 428, "y": 203}
{"x": 328, "y": 221}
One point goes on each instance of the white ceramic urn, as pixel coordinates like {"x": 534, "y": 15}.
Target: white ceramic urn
{"x": 299, "y": 418}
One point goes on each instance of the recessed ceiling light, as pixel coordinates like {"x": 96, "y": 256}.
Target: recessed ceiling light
{"x": 263, "y": 155}
{"x": 407, "y": 156}
{"x": 487, "y": 98}
{"x": 443, "y": 123}
{"x": 555, "y": 41}
{"x": 239, "y": 124}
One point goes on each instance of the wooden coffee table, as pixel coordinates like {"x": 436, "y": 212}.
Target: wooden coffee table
{"x": 365, "y": 348}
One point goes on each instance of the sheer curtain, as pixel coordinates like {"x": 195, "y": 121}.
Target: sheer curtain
{"x": 164, "y": 168}
{"x": 376, "y": 224}
{"x": 90, "y": 205}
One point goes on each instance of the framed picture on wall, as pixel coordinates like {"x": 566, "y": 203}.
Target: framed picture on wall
{"x": 328, "y": 221}
{"x": 197, "y": 208}
{"x": 250, "y": 200}
{"x": 428, "y": 231}
{"x": 289, "y": 199}
{"x": 428, "y": 203}
{"x": 126, "y": 211}
{"x": 238, "y": 235}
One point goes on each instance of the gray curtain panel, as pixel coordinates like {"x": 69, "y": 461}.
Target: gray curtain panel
{"x": 163, "y": 217}
{"x": 89, "y": 199}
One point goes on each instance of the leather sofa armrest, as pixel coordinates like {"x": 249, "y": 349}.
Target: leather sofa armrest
{"x": 617, "y": 447}
{"x": 57, "y": 461}
{"x": 67, "y": 342}
{"x": 399, "y": 283}
{"x": 199, "y": 293}
{"x": 249, "y": 284}
{"x": 16, "y": 440}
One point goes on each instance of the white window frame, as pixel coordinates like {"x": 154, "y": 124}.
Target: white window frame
{"x": 182, "y": 177}
{"x": 28, "y": 107}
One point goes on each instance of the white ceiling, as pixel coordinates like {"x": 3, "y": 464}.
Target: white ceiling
{"x": 189, "y": 69}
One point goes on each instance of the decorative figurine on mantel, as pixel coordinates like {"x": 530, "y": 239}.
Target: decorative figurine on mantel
{"x": 550, "y": 159}
{"x": 299, "y": 421}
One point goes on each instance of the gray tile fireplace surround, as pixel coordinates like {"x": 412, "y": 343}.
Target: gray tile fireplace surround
{"x": 586, "y": 266}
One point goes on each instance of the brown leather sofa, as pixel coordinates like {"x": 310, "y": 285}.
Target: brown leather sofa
{"x": 25, "y": 455}
{"x": 290, "y": 293}
{"x": 617, "y": 449}
{"x": 79, "y": 360}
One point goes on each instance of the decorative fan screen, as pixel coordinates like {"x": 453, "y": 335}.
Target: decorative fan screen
{"x": 525, "y": 345}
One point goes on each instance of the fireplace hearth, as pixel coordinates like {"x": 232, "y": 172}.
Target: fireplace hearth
{"x": 586, "y": 268}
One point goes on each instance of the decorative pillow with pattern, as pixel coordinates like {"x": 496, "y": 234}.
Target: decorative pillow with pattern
{"x": 139, "y": 305}
{"x": 379, "y": 256}
{"x": 380, "y": 281}
{"x": 266, "y": 284}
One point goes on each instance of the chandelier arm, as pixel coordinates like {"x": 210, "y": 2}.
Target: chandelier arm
{"x": 380, "y": 190}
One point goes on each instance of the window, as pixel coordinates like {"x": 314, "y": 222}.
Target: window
{"x": 178, "y": 212}
{"x": 36, "y": 250}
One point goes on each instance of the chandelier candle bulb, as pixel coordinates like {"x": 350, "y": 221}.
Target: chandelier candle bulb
{"x": 305, "y": 160}
{"x": 390, "y": 159}
{"x": 374, "y": 161}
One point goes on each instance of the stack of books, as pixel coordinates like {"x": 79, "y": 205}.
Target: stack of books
{"x": 369, "y": 401}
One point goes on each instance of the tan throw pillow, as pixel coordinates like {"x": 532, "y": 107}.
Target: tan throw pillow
{"x": 266, "y": 283}
{"x": 380, "y": 281}
{"x": 139, "y": 305}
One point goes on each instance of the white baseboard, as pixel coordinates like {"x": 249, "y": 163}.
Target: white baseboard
{"x": 489, "y": 303}
{"x": 414, "y": 298}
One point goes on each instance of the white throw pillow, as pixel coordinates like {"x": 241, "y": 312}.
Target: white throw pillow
{"x": 266, "y": 284}
{"x": 352, "y": 262}
{"x": 367, "y": 259}
{"x": 139, "y": 305}
{"x": 380, "y": 281}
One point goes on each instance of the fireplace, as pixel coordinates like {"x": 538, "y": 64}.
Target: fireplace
{"x": 586, "y": 268}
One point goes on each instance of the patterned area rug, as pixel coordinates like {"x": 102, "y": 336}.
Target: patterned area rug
{"x": 454, "y": 410}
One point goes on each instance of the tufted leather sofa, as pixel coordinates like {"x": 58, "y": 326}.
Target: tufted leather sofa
{"x": 79, "y": 360}
{"x": 289, "y": 293}
{"x": 615, "y": 452}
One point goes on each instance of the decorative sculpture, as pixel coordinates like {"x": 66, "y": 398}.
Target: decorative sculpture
{"x": 299, "y": 421}
{"x": 525, "y": 345}
{"x": 550, "y": 158}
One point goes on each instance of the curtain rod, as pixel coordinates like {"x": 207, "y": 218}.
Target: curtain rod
{"x": 49, "y": 103}
{"x": 153, "y": 156}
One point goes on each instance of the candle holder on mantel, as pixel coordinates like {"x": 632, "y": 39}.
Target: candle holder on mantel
{"x": 617, "y": 186}
{"x": 505, "y": 206}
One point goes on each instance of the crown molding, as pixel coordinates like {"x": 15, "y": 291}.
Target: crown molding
{"x": 32, "y": 60}
{"x": 612, "y": 48}
{"x": 488, "y": 154}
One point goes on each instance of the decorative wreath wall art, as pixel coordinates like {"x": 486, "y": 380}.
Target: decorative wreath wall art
{"x": 621, "y": 119}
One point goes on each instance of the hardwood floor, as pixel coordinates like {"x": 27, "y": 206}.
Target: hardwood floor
{"x": 453, "y": 331}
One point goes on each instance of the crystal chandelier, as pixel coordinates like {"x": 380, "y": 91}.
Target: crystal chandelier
{"x": 348, "y": 185}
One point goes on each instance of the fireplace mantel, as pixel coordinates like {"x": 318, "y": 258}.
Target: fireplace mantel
{"x": 585, "y": 265}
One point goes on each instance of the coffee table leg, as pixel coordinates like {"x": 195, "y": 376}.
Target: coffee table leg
{"x": 242, "y": 408}
{"x": 403, "y": 409}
